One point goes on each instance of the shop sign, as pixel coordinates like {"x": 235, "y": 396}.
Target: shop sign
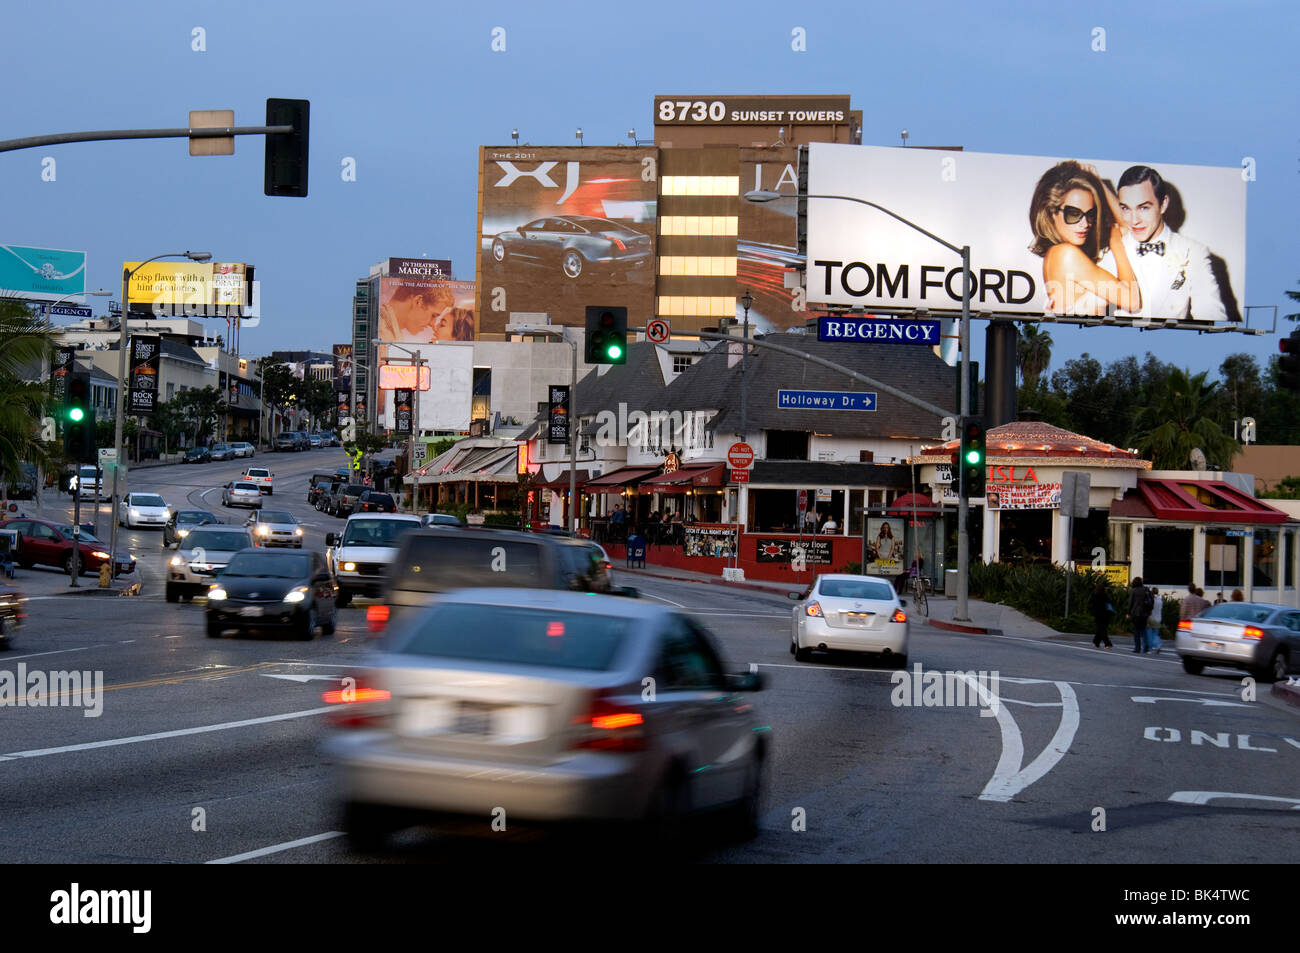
{"x": 1011, "y": 496}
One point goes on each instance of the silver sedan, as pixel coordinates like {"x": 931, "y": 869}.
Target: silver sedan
{"x": 554, "y": 706}
{"x": 275, "y": 528}
{"x": 242, "y": 493}
{"x": 1262, "y": 638}
{"x": 848, "y": 613}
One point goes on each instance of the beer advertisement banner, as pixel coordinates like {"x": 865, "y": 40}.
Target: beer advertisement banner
{"x": 558, "y": 432}
{"x": 1068, "y": 236}
{"x": 402, "y": 411}
{"x": 62, "y": 363}
{"x": 1023, "y": 496}
{"x": 814, "y": 551}
{"x": 345, "y": 404}
{"x": 145, "y": 355}
{"x": 716, "y": 541}
{"x": 563, "y": 227}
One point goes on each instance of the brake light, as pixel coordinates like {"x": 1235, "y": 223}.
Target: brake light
{"x": 1252, "y": 633}
{"x": 361, "y": 706}
{"x": 617, "y": 243}
{"x": 608, "y": 566}
{"x": 899, "y": 616}
{"x": 1185, "y": 625}
{"x": 609, "y": 726}
{"x": 377, "y": 618}
{"x": 813, "y": 609}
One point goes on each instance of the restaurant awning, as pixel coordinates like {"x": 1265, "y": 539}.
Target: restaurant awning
{"x": 561, "y": 482}
{"x": 616, "y": 480}
{"x": 1194, "y": 501}
{"x": 687, "y": 477}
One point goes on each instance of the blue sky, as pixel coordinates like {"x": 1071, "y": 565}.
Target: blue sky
{"x": 410, "y": 90}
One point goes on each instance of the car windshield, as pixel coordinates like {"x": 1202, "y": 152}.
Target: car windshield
{"x": 86, "y": 535}
{"x": 268, "y": 565}
{"x": 515, "y": 635}
{"x": 856, "y": 589}
{"x": 193, "y": 516}
{"x": 147, "y": 499}
{"x": 226, "y": 541}
{"x": 376, "y": 532}
{"x": 276, "y": 516}
{"x": 444, "y": 560}
{"x": 1238, "y": 611}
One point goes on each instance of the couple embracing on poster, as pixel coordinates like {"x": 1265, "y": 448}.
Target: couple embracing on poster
{"x": 1104, "y": 248}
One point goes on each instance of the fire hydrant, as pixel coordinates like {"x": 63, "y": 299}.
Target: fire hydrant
{"x": 105, "y": 575}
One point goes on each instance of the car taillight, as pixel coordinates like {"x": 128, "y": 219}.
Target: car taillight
{"x": 1252, "y": 633}
{"x": 813, "y": 609}
{"x": 377, "y": 618}
{"x": 1185, "y": 625}
{"x": 361, "y": 706}
{"x": 617, "y": 244}
{"x": 898, "y": 616}
{"x": 609, "y": 726}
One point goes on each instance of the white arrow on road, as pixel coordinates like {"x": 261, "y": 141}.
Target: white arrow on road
{"x": 305, "y": 678}
{"x": 1152, "y": 699}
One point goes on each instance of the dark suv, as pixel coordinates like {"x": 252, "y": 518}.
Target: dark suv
{"x": 372, "y": 501}
{"x": 435, "y": 560}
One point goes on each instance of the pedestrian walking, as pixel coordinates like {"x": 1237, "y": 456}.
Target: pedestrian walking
{"x": 1153, "y": 624}
{"x": 1140, "y": 605}
{"x": 1237, "y": 596}
{"x": 1193, "y": 604}
{"x": 1102, "y": 612}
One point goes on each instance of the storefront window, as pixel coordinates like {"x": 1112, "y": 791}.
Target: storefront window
{"x": 1118, "y": 551}
{"x": 1222, "y": 560}
{"x": 1166, "y": 556}
{"x": 855, "y": 512}
{"x": 1289, "y": 561}
{"x": 1265, "y": 575}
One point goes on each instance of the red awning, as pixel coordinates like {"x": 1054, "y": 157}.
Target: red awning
{"x": 905, "y": 504}
{"x": 615, "y": 480}
{"x": 709, "y": 474}
{"x": 1204, "y": 501}
{"x": 561, "y": 482}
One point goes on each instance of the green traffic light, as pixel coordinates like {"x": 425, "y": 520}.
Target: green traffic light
{"x": 75, "y": 414}
{"x": 614, "y": 351}
{"x": 972, "y": 456}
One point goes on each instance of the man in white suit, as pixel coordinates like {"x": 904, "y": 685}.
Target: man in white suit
{"x": 1173, "y": 272}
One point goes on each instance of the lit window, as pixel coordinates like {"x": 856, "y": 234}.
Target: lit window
{"x": 698, "y": 225}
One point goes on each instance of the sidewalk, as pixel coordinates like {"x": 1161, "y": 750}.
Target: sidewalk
{"x": 47, "y": 581}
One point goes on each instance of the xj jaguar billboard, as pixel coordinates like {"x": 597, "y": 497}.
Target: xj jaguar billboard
{"x": 561, "y": 228}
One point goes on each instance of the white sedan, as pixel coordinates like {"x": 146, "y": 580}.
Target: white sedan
{"x": 849, "y": 614}
{"x": 242, "y": 493}
{"x": 143, "y": 509}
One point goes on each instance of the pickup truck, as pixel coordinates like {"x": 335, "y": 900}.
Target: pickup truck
{"x": 345, "y": 498}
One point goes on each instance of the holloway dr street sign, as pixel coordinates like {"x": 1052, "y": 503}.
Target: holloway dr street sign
{"x": 888, "y": 330}
{"x": 825, "y": 400}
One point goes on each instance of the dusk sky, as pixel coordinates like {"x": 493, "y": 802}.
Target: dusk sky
{"x": 411, "y": 90}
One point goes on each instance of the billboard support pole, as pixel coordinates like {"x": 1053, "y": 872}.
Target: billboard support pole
{"x": 962, "y": 613}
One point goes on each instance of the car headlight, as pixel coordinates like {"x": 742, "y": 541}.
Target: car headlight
{"x": 296, "y": 595}
{"x": 99, "y": 554}
{"x": 216, "y": 594}
{"x": 177, "y": 561}
{"x": 182, "y": 533}
{"x": 349, "y": 567}
{"x": 135, "y": 512}
{"x": 298, "y": 531}
{"x": 263, "y": 529}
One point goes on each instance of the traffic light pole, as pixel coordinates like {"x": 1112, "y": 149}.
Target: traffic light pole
{"x": 962, "y": 613}
{"x": 76, "y": 531}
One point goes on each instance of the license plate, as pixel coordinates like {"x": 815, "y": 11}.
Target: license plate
{"x": 251, "y": 611}
{"x": 858, "y": 618}
{"x": 473, "y": 718}
{"x": 1213, "y": 645}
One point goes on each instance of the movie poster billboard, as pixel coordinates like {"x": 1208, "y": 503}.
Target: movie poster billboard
{"x": 564, "y": 227}
{"x": 558, "y": 431}
{"x": 885, "y": 542}
{"x": 145, "y": 357}
{"x": 1069, "y": 236}
{"x": 436, "y": 268}
{"x": 715, "y": 541}
{"x": 343, "y": 367}
{"x": 345, "y": 404}
{"x": 422, "y": 310}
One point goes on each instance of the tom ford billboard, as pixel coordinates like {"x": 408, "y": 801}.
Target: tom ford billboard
{"x": 1082, "y": 237}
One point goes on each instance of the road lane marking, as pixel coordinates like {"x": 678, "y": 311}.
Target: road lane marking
{"x": 1205, "y": 797}
{"x": 277, "y": 848}
{"x": 84, "y": 648}
{"x": 1152, "y": 699}
{"x": 1009, "y": 779}
{"x": 822, "y": 668}
{"x": 662, "y": 599}
{"x": 163, "y": 735}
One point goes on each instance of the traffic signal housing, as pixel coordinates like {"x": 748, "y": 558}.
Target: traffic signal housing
{"x": 971, "y": 458}
{"x": 606, "y": 335}
{"x": 1288, "y": 365}
{"x": 286, "y": 153}
{"x": 78, "y": 419}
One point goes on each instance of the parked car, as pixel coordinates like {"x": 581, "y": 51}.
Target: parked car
{"x": 843, "y": 612}
{"x": 344, "y": 498}
{"x": 303, "y": 441}
{"x": 263, "y": 589}
{"x": 284, "y": 443}
{"x": 243, "y": 449}
{"x": 183, "y": 521}
{"x": 315, "y": 441}
{"x": 1262, "y": 638}
{"x": 573, "y": 244}
{"x": 372, "y": 501}
{"x": 534, "y": 702}
{"x": 261, "y": 476}
{"x": 143, "y": 509}
{"x": 319, "y": 485}
{"x": 361, "y": 554}
{"x": 197, "y": 455}
{"x": 24, "y": 486}
{"x": 330, "y": 438}
{"x": 45, "y": 543}
{"x": 223, "y": 452}
{"x": 241, "y": 493}
{"x": 206, "y": 551}
{"x": 275, "y": 528}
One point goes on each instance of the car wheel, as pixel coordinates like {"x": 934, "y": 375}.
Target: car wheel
{"x": 1193, "y": 666}
{"x": 744, "y": 816}
{"x": 343, "y": 599}
{"x": 1277, "y": 668}
{"x": 327, "y": 628}
{"x": 899, "y": 659}
{"x": 308, "y": 628}
{"x": 499, "y": 251}
{"x": 67, "y": 564}
{"x": 172, "y": 594}
{"x": 793, "y": 647}
{"x": 572, "y": 262}
{"x": 803, "y": 655}
{"x": 662, "y": 828}
{"x": 214, "y": 629}
{"x": 26, "y": 563}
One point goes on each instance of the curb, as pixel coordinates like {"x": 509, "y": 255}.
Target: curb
{"x": 968, "y": 629}
{"x": 1288, "y": 692}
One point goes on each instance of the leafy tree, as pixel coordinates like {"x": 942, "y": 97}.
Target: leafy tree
{"x": 1178, "y": 418}
{"x": 1288, "y": 488}
{"x": 25, "y": 341}
{"x": 1294, "y": 296}
{"x": 202, "y": 406}
{"x": 169, "y": 419}
{"x": 438, "y": 447}
{"x": 1034, "y": 351}
{"x": 317, "y": 398}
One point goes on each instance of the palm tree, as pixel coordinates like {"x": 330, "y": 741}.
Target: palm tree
{"x": 1179, "y": 418}
{"x": 1034, "y": 351}
{"x": 25, "y": 348}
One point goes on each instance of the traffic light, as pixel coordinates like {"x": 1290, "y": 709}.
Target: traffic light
{"x": 286, "y": 154}
{"x": 606, "y": 335}
{"x": 1288, "y": 365}
{"x": 78, "y": 419}
{"x": 972, "y": 458}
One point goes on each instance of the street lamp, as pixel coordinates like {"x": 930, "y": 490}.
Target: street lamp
{"x": 122, "y": 385}
{"x": 963, "y": 505}
{"x": 573, "y": 421}
{"x": 746, "y": 302}
{"x": 51, "y": 305}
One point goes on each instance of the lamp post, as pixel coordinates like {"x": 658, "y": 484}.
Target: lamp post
{"x": 573, "y": 422}
{"x": 746, "y": 302}
{"x": 415, "y": 417}
{"x": 963, "y": 506}
{"x": 122, "y": 384}
{"x": 51, "y": 305}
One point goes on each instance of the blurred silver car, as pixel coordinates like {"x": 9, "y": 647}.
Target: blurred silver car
{"x": 241, "y": 493}
{"x": 275, "y": 528}
{"x": 200, "y": 556}
{"x": 849, "y": 613}
{"x": 1262, "y": 638}
{"x": 556, "y": 706}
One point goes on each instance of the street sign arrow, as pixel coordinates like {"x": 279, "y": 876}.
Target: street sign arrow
{"x": 1213, "y": 702}
{"x": 303, "y": 679}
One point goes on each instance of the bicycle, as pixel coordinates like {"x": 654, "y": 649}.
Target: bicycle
{"x": 918, "y": 594}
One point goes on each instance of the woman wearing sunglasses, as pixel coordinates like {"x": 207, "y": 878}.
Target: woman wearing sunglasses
{"x": 1073, "y": 229}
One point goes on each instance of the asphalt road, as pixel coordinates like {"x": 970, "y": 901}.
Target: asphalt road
{"x": 209, "y": 750}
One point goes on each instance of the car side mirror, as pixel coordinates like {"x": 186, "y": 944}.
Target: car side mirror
{"x": 903, "y": 603}
{"x": 331, "y": 539}
{"x": 746, "y": 682}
